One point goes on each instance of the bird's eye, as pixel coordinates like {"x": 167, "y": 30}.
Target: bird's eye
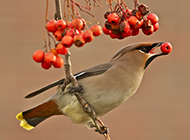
{"x": 143, "y": 49}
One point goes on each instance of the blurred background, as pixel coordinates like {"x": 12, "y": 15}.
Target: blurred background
{"x": 159, "y": 110}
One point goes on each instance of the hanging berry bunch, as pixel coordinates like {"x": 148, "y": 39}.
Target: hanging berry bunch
{"x": 65, "y": 33}
{"x": 123, "y": 22}
{"x": 73, "y": 32}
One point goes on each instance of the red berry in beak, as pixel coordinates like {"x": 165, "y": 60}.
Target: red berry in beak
{"x": 166, "y": 47}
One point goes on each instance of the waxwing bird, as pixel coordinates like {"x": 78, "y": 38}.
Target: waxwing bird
{"x": 106, "y": 86}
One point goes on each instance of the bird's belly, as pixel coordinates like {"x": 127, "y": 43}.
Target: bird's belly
{"x": 103, "y": 103}
{"x": 104, "y": 94}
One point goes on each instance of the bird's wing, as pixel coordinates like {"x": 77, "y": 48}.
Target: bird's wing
{"x": 30, "y": 95}
{"x": 96, "y": 70}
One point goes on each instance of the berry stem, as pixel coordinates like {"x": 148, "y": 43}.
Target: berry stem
{"x": 74, "y": 8}
{"x": 136, "y": 3}
{"x": 68, "y": 9}
{"x": 123, "y": 2}
{"x": 83, "y": 7}
{"x": 64, "y": 12}
{"x": 110, "y": 5}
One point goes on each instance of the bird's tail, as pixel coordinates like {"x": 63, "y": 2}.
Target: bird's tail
{"x": 32, "y": 117}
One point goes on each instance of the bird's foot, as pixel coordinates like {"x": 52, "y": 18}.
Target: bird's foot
{"x": 103, "y": 130}
{"x": 76, "y": 89}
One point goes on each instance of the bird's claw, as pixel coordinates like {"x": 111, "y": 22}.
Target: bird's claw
{"x": 76, "y": 89}
{"x": 103, "y": 130}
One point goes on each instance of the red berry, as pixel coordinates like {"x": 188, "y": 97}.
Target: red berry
{"x": 135, "y": 31}
{"x": 156, "y": 26}
{"x": 58, "y": 35}
{"x": 59, "y": 62}
{"x": 51, "y": 27}
{"x": 148, "y": 30}
{"x": 72, "y": 32}
{"x": 77, "y": 23}
{"x": 105, "y": 30}
{"x": 107, "y": 25}
{"x": 141, "y": 23}
{"x": 49, "y": 58}
{"x": 121, "y": 37}
{"x": 126, "y": 34}
{"x": 60, "y": 49}
{"x": 84, "y": 23}
{"x": 38, "y": 56}
{"x": 67, "y": 41}
{"x": 127, "y": 13}
{"x": 96, "y": 30}
{"x": 153, "y": 18}
{"x": 113, "y": 18}
{"x": 61, "y": 24}
{"x": 124, "y": 27}
{"x": 133, "y": 21}
{"x": 115, "y": 26}
{"x": 45, "y": 65}
{"x": 68, "y": 24}
{"x": 166, "y": 47}
{"x": 112, "y": 35}
{"x": 88, "y": 36}
{"x": 79, "y": 40}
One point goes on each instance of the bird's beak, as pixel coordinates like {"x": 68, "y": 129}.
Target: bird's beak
{"x": 154, "y": 52}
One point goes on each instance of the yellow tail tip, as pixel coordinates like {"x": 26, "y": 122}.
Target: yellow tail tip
{"x": 19, "y": 116}
{"x": 23, "y": 122}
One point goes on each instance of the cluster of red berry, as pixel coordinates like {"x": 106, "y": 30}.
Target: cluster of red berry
{"x": 67, "y": 34}
{"x": 50, "y": 58}
{"x": 72, "y": 32}
{"x": 121, "y": 24}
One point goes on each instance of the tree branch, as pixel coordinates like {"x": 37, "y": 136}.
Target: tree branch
{"x": 58, "y": 9}
{"x": 102, "y": 129}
